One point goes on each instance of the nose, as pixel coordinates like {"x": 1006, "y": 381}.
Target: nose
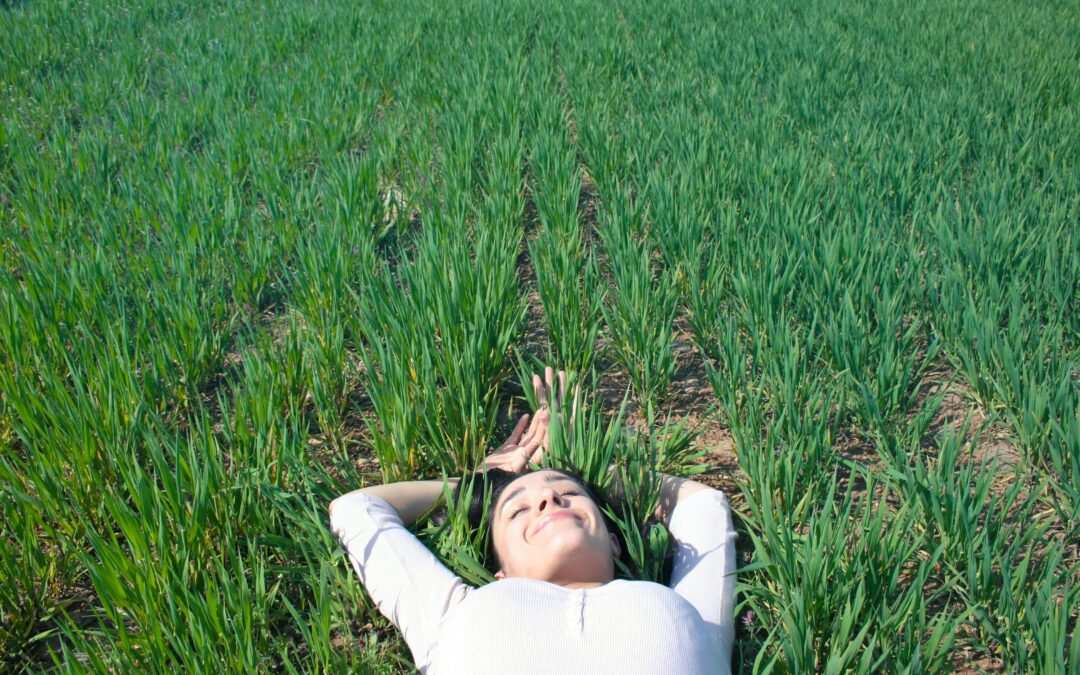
{"x": 548, "y": 497}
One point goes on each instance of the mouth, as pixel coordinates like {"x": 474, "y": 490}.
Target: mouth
{"x": 558, "y": 515}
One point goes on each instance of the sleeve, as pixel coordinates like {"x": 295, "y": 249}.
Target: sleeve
{"x": 407, "y": 582}
{"x": 703, "y": 569}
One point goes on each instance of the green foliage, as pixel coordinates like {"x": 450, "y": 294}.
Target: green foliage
{"x": 567, "y": 277}
{"x": 865, "y": 624}
{"x": 464, "y": 549}
{"x": 243, "y": 244}
{"x": 644, "y": 302}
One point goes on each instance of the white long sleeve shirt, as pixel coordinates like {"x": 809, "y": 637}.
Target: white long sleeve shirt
{"x": 520, "y": 626}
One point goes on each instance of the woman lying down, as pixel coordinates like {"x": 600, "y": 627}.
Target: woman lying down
{"x": 556, "y": 606}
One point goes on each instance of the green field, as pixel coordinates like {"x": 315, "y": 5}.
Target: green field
{"x": 254, "y": 255}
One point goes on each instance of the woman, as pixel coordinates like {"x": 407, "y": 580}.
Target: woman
{"x": 556, "y": 605}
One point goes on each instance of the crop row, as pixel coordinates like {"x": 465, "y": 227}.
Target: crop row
{"x": 247, "y": 250}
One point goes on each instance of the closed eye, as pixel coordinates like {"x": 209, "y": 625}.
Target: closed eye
{"x": 517, "y": 512}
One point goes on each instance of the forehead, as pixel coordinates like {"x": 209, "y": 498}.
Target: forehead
{"x": 533, "y": 481}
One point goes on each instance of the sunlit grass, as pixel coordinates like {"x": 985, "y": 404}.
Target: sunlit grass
{"x": 254, "y": 256}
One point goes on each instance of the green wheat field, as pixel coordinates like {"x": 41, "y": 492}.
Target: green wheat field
{"x": 824, "y": 254}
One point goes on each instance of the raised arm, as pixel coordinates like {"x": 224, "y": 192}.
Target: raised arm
{"x": 409, "y": 499}
{"x": 674, "y": 490}
{"x": 703, "y": 567}
{"x": 412, "y": 499}
{"x": 408, "y": 583}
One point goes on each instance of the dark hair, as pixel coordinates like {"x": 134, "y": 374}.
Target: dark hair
{"x": 488, "y": 486}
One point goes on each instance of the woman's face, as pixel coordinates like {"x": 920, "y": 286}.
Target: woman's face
{"x": 544, "y": 526}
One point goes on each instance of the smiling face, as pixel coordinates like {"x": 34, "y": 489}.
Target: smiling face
{"x": 545, "y": 526}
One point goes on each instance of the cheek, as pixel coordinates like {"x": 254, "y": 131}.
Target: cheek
{"x": 595, "y": 514}
{"x": 500, "y": 539}
{"x": 510, "y": 546}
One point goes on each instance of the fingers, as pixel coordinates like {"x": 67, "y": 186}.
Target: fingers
{"x": 514, "y": 462}
{"x": 523, "y": 446}
{"x": 537, "y": 455}
{"x": 515, "y": 436}
{"x": 550, "y": 393}
{"x": 534, "y": 449}
{"x": 538, "y": 389}
{"x": 549, "y": 381}
{"x": 519, "y": 429}
{"x": 517, "y": 460}
{"x": 539, "y": 424}
{"x": 530, "y": 431}
{"x": 546, "y": 391}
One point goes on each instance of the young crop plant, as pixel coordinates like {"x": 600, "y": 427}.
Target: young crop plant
{"x": 956, "y": 503}
{"x": 183, "y": 504}
{"x": 1064, "y": 453}
{"x": 331, "y": 265}
{"x": 263, "y": 414}
{"x": 393, "y": 366}
{"x": 38, "y": 569}
{"x": 839, "y": 593}
{"x": 678, "y": 207}
{"x": 567, "y": 276}
{"x": 1022, "y": 367}
{"x": 778, "y": 401}
{"x": 709, "y": 296}
{"x": 438, "y": 328}
{"x": 255, "y": 275}
{"x": 572, "y": 291}
{"x": 880, "y": 347}
{"x": 192, "y": 321}
{"x": 643, "y": 301}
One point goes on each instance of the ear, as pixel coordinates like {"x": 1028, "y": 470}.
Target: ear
{"x": 499, "y": 575}
{"x": 616, "y": 550}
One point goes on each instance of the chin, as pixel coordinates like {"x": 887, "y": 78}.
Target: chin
{"x": 576, "y": 548}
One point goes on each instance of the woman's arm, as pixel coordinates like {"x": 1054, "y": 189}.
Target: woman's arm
{"x": 410, "y": 499}
{"x": 407, "y": 582}
{"x": 703, "y": 567}
{"x": 413, "y": 499}
{"x": 673, "y": 490}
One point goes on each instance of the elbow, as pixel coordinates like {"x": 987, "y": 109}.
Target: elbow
{"x": 341, "y": 505}
{"x": 331, "y": 506}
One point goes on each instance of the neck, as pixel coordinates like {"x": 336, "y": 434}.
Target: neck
{"x": 571, "y": 580}
{"x": 582, "y": 584}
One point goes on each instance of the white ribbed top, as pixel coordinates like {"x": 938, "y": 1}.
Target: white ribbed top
{"x": 525, "y": 626}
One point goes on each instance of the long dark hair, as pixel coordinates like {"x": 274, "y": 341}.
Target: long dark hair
{"x": 482, "y": 490}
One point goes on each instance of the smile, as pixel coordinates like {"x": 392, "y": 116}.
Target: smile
{"x": 557, "y": 515}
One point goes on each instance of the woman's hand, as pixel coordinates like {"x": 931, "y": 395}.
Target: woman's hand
{"x": 523, "y": 447}
{"x": 546, "y": 392}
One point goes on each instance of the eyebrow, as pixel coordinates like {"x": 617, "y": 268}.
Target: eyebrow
{"x": 551, "y": 478}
